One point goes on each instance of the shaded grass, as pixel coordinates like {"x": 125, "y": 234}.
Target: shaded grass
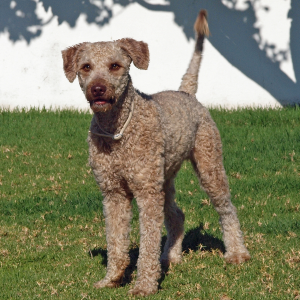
{"x": 52, "y": 239}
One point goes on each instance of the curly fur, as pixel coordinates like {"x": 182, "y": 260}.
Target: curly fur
{"x": 166, "y": 128}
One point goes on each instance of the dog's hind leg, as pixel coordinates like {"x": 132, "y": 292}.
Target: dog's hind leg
{"x": 208, "y": 163}
{"x": 117, "y": 211}
{"x": 174, "y": 219}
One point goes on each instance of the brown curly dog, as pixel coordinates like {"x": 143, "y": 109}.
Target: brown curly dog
{"x": 137, "y": 144}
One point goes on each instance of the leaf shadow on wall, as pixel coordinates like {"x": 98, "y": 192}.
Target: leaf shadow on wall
{"x": 232, "y": 33}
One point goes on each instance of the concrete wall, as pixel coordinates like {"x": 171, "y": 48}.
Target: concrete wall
{"x": 252, "y": 57}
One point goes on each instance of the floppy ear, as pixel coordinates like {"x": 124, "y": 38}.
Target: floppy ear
{"x": 70, "y": 60}
{"x": 137, "y": 51}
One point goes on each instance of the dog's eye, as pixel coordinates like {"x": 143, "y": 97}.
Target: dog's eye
{"x": 115, "y": 67}
{"x": 86, "y": 67}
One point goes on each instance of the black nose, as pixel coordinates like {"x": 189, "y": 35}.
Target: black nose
{"x": 98, "y": 90}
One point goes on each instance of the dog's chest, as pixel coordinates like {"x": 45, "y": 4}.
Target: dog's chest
{"x": 124, "y": 161}
{"x": 133, "y": 159}
{"x": 108, "y": 158}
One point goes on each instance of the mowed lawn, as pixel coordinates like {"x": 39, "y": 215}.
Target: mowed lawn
{"x": 52, "y": 230}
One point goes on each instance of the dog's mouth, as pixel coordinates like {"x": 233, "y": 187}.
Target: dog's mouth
{"x": 100, "y": 104}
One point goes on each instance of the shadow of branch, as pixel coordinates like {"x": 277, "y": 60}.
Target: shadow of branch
{"x": 232, "y": 33}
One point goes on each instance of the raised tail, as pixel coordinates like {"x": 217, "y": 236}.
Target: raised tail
{"x": 189, "y": 83}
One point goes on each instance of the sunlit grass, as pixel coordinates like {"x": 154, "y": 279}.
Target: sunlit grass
{"x": 52, "y": 235}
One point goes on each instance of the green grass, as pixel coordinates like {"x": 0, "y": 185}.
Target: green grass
{"x": 52, "y": 236}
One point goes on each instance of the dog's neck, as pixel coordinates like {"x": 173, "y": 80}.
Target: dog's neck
{"x": 113, "y": 120}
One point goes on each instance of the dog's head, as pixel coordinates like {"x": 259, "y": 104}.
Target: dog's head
{"x": 103, "y": 69}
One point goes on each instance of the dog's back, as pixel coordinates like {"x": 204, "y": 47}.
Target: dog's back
{"x": 180, "y": 116}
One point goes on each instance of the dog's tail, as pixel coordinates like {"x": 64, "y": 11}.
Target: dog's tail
{"x": 189, "y": 83}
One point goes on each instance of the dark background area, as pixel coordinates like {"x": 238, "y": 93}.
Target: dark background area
{"x": 232, "y": 33}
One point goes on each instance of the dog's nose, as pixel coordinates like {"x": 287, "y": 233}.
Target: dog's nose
{"x": 98, "y": 90}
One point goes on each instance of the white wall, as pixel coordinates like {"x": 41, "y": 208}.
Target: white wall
{"x": 247, "y": 60}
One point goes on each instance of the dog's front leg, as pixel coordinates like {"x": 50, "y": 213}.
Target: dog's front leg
{"x": 151, "y": 207}
{"x": 118, "y": 212}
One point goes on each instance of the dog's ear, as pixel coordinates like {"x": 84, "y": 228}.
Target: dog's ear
{"x": 137, "y": 51}
{"x": 70, "y": 60}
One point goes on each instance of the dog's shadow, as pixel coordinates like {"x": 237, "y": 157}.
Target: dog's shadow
{"x": 192, "y": 239}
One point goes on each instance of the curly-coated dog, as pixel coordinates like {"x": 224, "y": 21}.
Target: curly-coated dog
{"x": 137, "y": 144}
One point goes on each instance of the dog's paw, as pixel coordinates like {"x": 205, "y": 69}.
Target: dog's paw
{"x": 138, "y": 290}
{"x": 236, "y": 257}
{"x": 174, "y": 259}
{"x": 106, "y": 283}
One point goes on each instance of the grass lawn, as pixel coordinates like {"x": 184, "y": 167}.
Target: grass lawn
{"x": 52, "y": 235}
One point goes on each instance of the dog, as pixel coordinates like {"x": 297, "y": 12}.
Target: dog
{"x": 137, "y": 143}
